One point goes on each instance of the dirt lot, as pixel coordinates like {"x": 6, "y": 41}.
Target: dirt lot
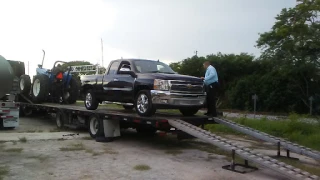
{"x": 35, "y": 151}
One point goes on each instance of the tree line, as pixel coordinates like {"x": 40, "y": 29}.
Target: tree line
{"x": 284, "y": 76}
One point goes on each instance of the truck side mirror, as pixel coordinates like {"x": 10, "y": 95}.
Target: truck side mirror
{"x": 127, "y": 71}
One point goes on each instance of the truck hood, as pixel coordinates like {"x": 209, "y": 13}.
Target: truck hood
{"x": 175, "y": 77}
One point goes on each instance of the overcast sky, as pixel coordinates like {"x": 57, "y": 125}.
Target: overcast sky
{"x": 169, "y": 30}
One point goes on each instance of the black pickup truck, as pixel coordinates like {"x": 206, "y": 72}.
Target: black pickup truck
{"x": 147, "y": 84}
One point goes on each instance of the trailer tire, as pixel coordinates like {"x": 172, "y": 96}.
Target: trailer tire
{"x": 25, "y": 84}
{"x": 40, "y": 88}
{"x": 71, "y": 95}
{"x": 90, "y": 101}
{"x": 60, "y": 119}
{"x": 143, "y": 104}
{"x": 188, "y": 111}
{"x": 95, "y": 126}
{"x": 25, "y": 111}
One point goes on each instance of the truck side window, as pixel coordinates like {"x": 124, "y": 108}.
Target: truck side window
{"x": 113, "y": 68}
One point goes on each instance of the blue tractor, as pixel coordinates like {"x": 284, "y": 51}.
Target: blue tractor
{"x": 51, "y": 85}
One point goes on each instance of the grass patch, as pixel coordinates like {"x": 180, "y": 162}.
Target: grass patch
{"x": 23, "y": 139}
{"x": 292, "y": 129}
{"x": 93, "y": 152}
{"x": 4, "y": 171}
{"x": 61, "y": 139}
{"x": 174, "y": 152}
{"x": 13, "y": 150}
{"x": 142, "y": 167}
{"x": 73, "y": 147}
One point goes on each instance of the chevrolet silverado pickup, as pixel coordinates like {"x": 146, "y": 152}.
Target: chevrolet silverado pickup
{"x": 146, "y": 84}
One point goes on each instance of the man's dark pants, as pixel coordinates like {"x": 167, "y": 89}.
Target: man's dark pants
{"x": 211, "y": 91}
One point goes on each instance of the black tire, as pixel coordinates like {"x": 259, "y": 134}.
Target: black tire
{"x": 39, "y": 97}
{"x": 148, "y": 109}
{"x": 60, "y": 119}
{"x": 95, "y": 126}
{"x": 90, "y": 101}
{"x": 25, "y": 84}
{"x": 189, "y": 111}
{"x": 71, "y": 94}
{"x": 128, "y": 107}
{"x": 25, "y": 111}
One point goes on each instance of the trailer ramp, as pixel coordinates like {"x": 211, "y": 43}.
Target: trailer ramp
{"x": 244, "y": 153}
{"x": 272, "y": 139}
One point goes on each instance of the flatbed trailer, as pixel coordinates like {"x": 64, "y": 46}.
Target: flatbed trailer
{"x": 73, "y": 116}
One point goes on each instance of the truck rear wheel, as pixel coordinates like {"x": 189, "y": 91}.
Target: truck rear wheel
{"x": 90, "y": 101}
{"x": 25, "y": 84}
{"x": 40, "y": 88}
{"x": 143, "y": 104}
{"x": 189, "y": 111}
{"x": 95, "y": 126}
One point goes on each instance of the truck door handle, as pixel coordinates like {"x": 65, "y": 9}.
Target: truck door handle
{"x": 115, "y": 79}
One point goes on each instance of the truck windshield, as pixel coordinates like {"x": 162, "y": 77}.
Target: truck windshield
{"x": 146, "y": 66}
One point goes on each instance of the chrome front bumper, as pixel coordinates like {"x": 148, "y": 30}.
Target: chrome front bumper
{"x": 177, "y": 99}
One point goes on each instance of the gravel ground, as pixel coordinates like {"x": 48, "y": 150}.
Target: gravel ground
{"x": 50, "y": 155}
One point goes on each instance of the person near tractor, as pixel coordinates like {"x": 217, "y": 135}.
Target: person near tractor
{"x": 211, "y": 86}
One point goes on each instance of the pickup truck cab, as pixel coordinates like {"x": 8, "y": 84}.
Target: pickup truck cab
{"x": 147, "y": 84}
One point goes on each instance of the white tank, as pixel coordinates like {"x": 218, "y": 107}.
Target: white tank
{"x": 6, "y": 77}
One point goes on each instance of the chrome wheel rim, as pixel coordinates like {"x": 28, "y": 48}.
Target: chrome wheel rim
{"x": 36, "y": 87}
{"x": 142, "y": 103}
{"x": 94, "y": 124}
{"x": 88, "y": 100}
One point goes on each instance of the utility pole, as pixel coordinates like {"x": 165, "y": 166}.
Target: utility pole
{"x": 254, "y": 98}
{"x": 310, "y": 100}
{"x": 102, "y": 53}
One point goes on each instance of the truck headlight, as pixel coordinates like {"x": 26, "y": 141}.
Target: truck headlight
{"x": 160, "y": 84}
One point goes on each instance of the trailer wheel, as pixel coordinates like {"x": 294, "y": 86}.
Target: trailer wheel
{"x": 25, "y": 111}
{"x": 95, "y": 126}
{"x": 188, "y": 111}
{"x": 143, "y": 104}
{"x": 40, "y": 88}
{"x": 60, "y": 119}
{"x": 70, "y": 95}
{"x": 90, "y": 101}
{"x": 25, "y": 84}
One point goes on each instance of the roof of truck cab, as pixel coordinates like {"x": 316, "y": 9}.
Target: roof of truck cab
{"x": 132, "y": 59}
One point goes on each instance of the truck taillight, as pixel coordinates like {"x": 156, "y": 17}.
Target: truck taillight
{"x": 3, "y": 104}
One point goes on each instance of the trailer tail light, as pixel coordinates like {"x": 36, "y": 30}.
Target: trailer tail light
{"x": 59, "y": 76}
{"x": 3, "y": 104}
{"x": 136, "y": 121}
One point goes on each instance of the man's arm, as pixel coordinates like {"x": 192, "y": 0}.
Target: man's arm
{"x": 211, "y": 73}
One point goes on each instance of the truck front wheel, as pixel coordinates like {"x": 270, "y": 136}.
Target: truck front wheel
{"x": 189, "y": 111}
{"x": 90, "y": 101}
{"x": 143, "y": 104}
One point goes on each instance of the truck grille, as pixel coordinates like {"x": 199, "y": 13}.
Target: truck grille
{"x": 186, "y": 87}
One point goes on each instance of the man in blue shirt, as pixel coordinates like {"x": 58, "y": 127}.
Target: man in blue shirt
{"x": 211, "y": 85}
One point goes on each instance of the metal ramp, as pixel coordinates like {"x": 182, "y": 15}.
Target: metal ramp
{"x": 268, "y": 138}
{"x": 245, "y": 153}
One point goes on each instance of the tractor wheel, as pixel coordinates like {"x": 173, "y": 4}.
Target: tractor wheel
{"x": 40, "y": 88}
{"x": 71, "y": 94}
{"x": 25, "y": 84}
